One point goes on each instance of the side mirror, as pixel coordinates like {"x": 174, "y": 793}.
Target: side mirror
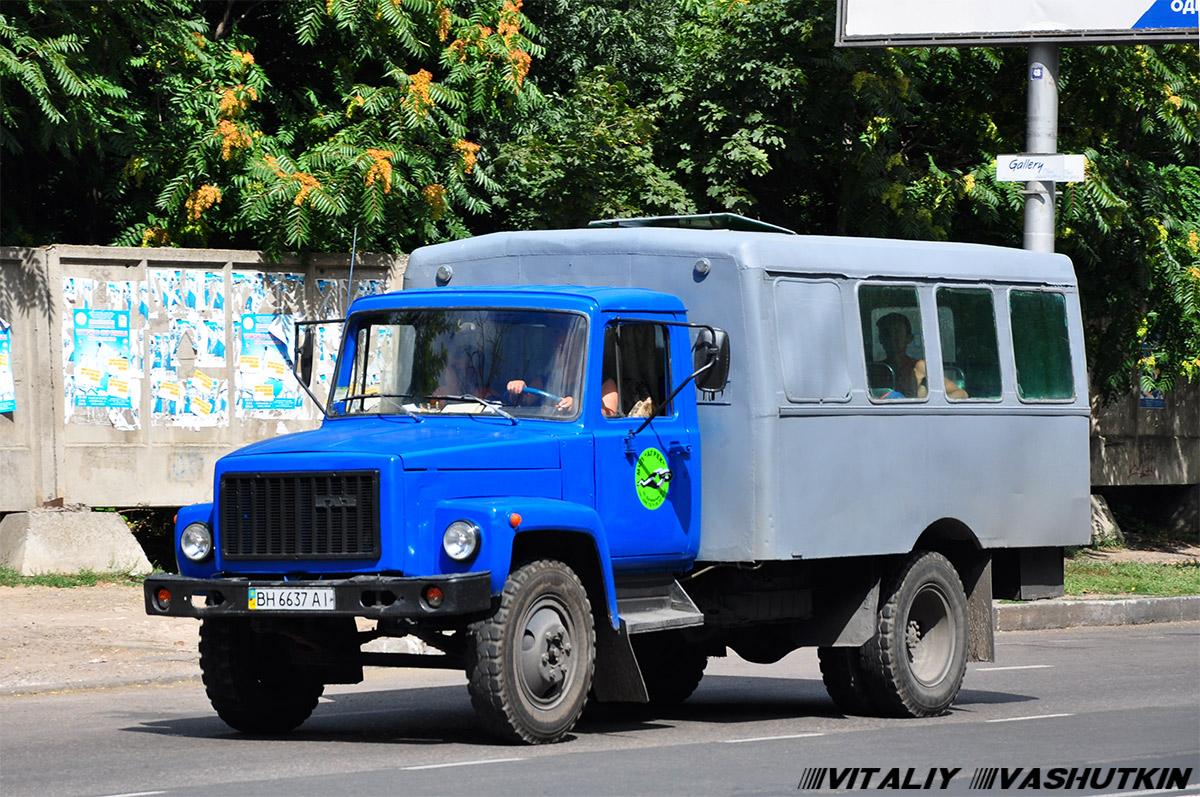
{"x": 304, "y": 358}
{"x": 710, "y": 359}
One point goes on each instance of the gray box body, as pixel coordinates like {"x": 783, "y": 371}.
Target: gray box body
{"x": 798, "y": 462}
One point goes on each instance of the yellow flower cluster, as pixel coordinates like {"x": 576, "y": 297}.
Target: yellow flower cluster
{"x": 381, "y": 168}
{"x": 435, "y": 196}
{"x": 155, "y": 236}
{"x": 469, "y": 152}
{"x": 246, "y": 59}
{"x": 521, "y": 61}
{"x": 510, "y": 21}
{"x": 443, "y": 28}
{"x": 235, "y": 99}
{"x": 308, "y": 183}
{"x": 1194, "y": 242}
{"x": 968, "y": 183}
{"x": 232, "y": 138}
{"x": 418, "y": 92}
{"x": 201, "y": 200}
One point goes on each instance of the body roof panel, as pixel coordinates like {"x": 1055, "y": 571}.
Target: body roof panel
{"x": 798, "y": 254}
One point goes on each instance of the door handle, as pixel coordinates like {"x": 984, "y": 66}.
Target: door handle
{"x": 678, "y": 448}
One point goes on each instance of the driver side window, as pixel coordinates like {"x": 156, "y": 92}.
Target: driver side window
{"x": 634, "y": 378}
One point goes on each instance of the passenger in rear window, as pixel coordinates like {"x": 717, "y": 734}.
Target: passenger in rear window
{"x": 911, "y": 375}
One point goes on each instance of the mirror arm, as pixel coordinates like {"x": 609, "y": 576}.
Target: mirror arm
{"x": 671, "y": 397}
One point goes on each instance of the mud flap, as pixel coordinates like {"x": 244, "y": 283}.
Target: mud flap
{"x": 617, "y": 678}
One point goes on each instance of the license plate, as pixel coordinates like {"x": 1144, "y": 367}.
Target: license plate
{"x": 285, "y": 599}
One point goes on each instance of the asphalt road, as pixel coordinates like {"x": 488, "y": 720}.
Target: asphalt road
{"x": 1098, "y": 698}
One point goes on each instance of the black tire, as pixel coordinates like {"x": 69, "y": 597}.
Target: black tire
{"x": 916, "y": 661}
{"x": 842, "y": 672}
{"x": 250, "y": 679}
{"x": 530, "y": 665}
{"x": 671, "y": 668}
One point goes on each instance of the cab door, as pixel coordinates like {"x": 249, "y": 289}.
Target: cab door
{"x": 647, "y": 481}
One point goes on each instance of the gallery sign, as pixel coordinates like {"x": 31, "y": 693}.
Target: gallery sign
{"x": 874, "y": 23}
{"x": 1046, "y": 168}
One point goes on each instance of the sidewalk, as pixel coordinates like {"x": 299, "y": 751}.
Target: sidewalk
{"x": 54, "y": 640}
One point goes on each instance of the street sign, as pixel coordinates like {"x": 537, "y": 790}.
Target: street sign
{"x": 872, "y": 23}
{"x": 1048, "y": 168}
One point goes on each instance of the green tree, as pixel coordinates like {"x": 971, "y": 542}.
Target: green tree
{"x": 589, "y": 156}
{"x": 284, "y": 126}
{"x": 769, "y": 119}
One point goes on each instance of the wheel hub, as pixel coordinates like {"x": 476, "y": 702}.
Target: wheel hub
{"x": 545, "y": 656}
{"x": 929, "y": 637}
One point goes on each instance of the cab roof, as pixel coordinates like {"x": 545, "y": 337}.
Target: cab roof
{"x": 549, "y": 297}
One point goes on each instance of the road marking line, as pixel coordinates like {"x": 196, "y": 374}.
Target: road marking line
{"x": 136, "y": 794}
{"x": 1182, "y": 791}
{"x": 461, "y": 764}
{"x": 771, "y": 738}
{"x": 1022, "y": 667}
{"x": 1034, "y": 717}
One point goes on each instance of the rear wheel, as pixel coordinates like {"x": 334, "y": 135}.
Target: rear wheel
{"x": 530, "y": 665}
{"x": 845, "y": 681}
{"x": 250, "y": 678}
{"x": 916, "y": 661}
{"x": 671, "y": 668}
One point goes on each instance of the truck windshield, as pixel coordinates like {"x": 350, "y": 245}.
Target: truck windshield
{"x": 429, "y": 361}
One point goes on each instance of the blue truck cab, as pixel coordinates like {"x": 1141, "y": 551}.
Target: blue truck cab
{"x": 580, "y": 463}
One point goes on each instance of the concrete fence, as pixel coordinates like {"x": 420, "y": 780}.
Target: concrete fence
{"x": 126, "y": 372}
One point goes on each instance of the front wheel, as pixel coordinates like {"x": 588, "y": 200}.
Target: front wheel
{"x": 250, "y": 678}
{"x": 916, "y": 661}
{"x": 530, "y": 665}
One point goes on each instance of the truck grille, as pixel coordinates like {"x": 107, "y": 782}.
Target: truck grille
{"x": 310, "y": 515}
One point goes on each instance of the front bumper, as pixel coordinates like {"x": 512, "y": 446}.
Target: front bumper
{"x": 377, "y": 597}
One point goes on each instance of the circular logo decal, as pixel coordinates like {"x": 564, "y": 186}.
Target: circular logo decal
{"x": 652, "y": 478}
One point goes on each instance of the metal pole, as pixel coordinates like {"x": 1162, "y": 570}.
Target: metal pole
{"x": 1041, "y": 138}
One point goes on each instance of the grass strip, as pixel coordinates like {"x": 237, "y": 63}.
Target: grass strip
{"x": 85, "y": 578}
{"x": 1092, "y": 577}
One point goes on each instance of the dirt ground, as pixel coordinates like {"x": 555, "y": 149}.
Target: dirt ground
{"x": 1174, "y": 553}
{"x": 70, "y": 638}
{"x": 59, "y": 639}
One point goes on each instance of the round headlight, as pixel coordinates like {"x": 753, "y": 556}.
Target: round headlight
{"x": 461, "y": 540}
{"x": 196, "y": 542}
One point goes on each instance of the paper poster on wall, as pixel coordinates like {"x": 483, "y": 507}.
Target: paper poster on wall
{"x": 101, "y": 358}
{"x": 265, "y": 382}
{"x": 8, "y": 387}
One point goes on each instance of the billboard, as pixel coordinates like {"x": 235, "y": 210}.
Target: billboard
{"x": 874, "y": 23}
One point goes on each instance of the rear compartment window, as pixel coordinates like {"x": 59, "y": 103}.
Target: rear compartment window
{"x": 1041, "y": 346}
{"x": 812, "y": 341}
{"x": 967, "y": 331}
{"x": 893, "y": 342}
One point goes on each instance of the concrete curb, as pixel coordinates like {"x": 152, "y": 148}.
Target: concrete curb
{"x": 95, "y": 683}
{"x": 1042, "y": 615}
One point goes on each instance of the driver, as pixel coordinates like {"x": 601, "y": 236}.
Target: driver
{"x": 553, "y": 381}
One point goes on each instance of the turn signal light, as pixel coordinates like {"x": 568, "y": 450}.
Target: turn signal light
{"x": 162, "y": 599}
{"x": 434, "y": 597}
{"x": 514, "y": 520}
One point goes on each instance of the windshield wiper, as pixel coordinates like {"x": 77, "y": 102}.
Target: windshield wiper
{"x": 494, "y": 405}
{"x": 360, "y": 396}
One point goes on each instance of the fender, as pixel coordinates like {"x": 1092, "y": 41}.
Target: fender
{"x": 494, "y": 518}
{"x": 196, "y": 513}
